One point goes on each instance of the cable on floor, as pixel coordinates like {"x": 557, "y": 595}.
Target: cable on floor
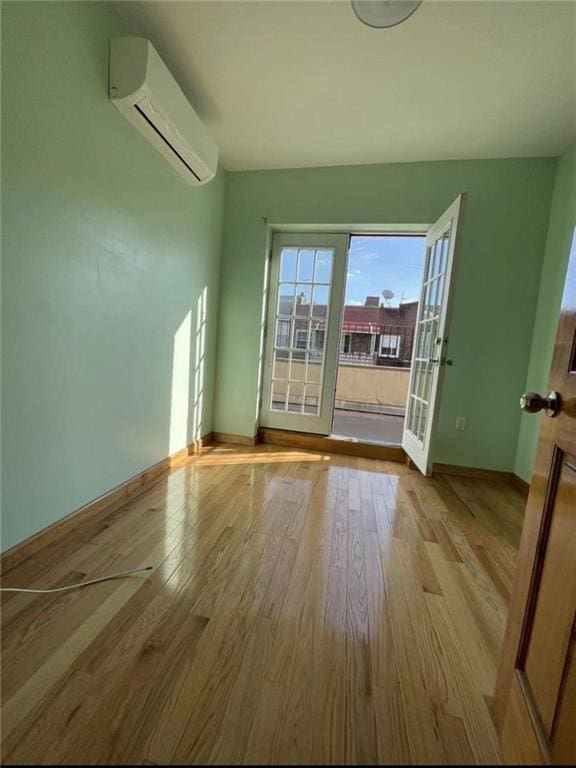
{"x": 81, "y": 584}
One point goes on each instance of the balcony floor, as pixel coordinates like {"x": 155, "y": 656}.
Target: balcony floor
{"x": 369, "y": 427}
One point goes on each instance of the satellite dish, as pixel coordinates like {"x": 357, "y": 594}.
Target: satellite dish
{"x": 384, "y": 13}
{"x": 387, "y": 294}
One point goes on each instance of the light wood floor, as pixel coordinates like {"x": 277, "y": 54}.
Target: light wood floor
{"x": 305, "y": 608}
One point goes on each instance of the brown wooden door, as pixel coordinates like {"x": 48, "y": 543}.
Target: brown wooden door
{"x": 535, "y": 699}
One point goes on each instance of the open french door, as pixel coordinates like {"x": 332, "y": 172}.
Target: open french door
{"x": 429, "y": 355}
{"x": 307, "y": 280}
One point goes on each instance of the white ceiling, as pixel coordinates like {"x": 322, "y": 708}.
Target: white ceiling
{"x": 290, "y": 84}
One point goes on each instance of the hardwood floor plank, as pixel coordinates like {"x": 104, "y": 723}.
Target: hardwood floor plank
{"x": 423, "y": 734}
{"x": 478, "y": 649}
{"x": 331, "y": 695}
{"x": 361, "y": 727}
{"x": 296, "y": 659}
{"x": 426, "y": 643}
{"x": 40, "y": 682}
{"x": 390, "y": 715}
{"x": 231, "y": 744}
{"x": 185, "y": 732}
{"x": 115, "y": 732}
{"x": 475, "y": 715}
{"x": 455, "y": 740}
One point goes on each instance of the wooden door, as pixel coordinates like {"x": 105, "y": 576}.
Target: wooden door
{"x": 535, "y": 702}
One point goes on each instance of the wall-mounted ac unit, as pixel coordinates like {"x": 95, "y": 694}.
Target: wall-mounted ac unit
{"x": 146, "y": 93}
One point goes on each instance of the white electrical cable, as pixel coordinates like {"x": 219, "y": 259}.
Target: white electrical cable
{"x": 81, "y": 584}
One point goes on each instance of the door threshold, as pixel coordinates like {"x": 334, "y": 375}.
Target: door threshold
{"x": 348, "y": 446}
{"x": 363, "y": 441}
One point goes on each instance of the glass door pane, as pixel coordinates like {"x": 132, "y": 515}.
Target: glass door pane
{"x": 428, "y": 343}
{"x": 306, "y": 284}
{"x": 430, "y": 346}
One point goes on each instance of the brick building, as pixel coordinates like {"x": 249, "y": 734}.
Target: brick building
{"x": 371, "y": 334}
{"x": 384, "y": 333}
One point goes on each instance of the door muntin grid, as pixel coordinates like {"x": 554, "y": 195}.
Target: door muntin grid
{"x": 428, "y": 344}
{"x": 300, "y": 325}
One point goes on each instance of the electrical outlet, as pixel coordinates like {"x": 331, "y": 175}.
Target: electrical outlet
{"x": 461, "y": 423}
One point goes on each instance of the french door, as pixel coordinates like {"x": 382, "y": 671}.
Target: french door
{"x": 307, "y": 281}
{"x": 429, "y": 355}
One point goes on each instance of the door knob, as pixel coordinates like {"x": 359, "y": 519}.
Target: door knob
{"x": 532, "y": 402}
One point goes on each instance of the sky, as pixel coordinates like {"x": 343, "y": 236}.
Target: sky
{"x": 377, "y": 263}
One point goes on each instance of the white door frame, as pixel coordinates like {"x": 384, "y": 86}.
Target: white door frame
{"x": 305, "y": 230}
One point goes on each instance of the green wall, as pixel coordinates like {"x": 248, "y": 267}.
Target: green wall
{"x": 560, "y": 234}
{"x": 105, "y": 251}
{"x": 496, "y": 294}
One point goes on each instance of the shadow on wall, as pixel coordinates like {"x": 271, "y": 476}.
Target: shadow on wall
{"x": 197, "y": 431}
{"x": 185, "y": 423}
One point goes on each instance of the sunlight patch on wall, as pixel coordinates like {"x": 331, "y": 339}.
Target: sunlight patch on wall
{"x": 179, "y": 403}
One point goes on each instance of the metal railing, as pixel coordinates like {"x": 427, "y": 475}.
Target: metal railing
{"x": 357, "y": 358}
{"x": 394, "y": 346}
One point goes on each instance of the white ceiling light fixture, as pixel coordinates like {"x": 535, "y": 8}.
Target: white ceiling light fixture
{"x": 384, "y": 13}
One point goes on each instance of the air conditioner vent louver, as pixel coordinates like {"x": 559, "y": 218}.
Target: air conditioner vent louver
{"x": 168, "y": 144}
{"x": 143, "y": 89}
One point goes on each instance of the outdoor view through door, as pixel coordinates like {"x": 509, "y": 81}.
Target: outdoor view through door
{"x": 377, "y": 336}
{"x": 357, "y": 333}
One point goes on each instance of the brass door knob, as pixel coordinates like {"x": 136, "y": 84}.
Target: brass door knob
{"x": 532, "y": 402}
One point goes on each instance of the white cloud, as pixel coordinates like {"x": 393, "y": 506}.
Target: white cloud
{"x": 354, "y": 303}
